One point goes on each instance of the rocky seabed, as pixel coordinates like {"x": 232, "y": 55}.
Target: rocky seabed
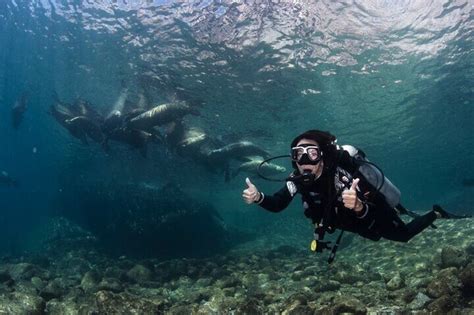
{"x": 432, "y": 274}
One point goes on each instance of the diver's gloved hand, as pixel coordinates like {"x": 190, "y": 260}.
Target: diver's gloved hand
{"x": 350, "y": 199}
{"x": 251, "y": 194}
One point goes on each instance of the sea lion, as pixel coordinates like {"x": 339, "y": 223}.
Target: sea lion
{"x": 84, "y": 108}
{"x": 191, "y": 137}
{"x": 240, "y": 150}
{"x": 161, "y": 115}
{"x": 84, "y": 125}
{"x": 5, "y": 179}
{"x": 133, "y": 113}
{"x": 61, "y": 113}
{"x": 113, "y": 121}
{"x": 137, "y": 139}
{"x": 18, "y": 109}
{"x": 116, "y": 119}
{"x": 74, "y": 128}
{"x": 252, "y": 167}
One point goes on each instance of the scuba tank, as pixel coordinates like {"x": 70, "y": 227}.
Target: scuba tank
{"x": 374, "y": 175}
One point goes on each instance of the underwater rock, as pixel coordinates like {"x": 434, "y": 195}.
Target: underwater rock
{"x": 297, "y": 304}
{"x": 250, "y": 306}
{"x": 77, "y": 265}
{"x": 21, "y": 303}
{"x": 125, "y": 303}
{"x": 297, "y": 275}
{"x": 89, "y": 282}
{"x": 228, "y": 282}
{"x": 389, "y": 310}
{"x": 38, "y": 283}
{"x": 395, "y": 283}
{"x": 204, "y": 282}
{"x": 54, "y": 289}
{"x": 183, "y": 309}
{"x": 467, "y": 279}
{"x": 110, "y": 284}
{"x": 70, "y": 307}
{"x": 328, "y": 285}
{"x": 348, "y": 277}
{"x": 344, "y": 304}
{"x": 421, "y": 282}
{"x": 419, "y": 301}
{"x": 299, "y": 298}
{"x": 470, "y": 249}
{"x": 298, "y": 309}
{"x": 139, "y": 274}
{"x": 442, "y": 305}
{"x": 453, "y": 257}
{"x": 24, "y": 271}
{"x": 444, "y": 283}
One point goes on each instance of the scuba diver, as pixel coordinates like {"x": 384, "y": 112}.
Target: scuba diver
{"x": 341, "y": 189}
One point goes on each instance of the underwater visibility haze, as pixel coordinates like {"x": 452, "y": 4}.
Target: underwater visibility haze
{"x": 127, "y": 130}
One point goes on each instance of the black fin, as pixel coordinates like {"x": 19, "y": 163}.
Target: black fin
{"x": 447, "y": 215}
{"x": 402, "y": 210}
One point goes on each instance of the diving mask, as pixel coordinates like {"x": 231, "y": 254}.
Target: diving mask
{"x": 306, "y": 154}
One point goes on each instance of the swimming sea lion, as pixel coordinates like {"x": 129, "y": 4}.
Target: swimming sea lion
{"x": 192, "y": 136}
{"x": 251, "y": 167}
{"x": 84, "y": 108}
{"x": 76, "y": 130}
{"x": 239, "y": 151}
{"x": 133, "y": 113}
{"x": 161, "y": 115}
{"x": 137, "y": 139}
{"x": 113, "y": 121}
{"x": 85, "y": 125}
{"x": 61, "y": 113}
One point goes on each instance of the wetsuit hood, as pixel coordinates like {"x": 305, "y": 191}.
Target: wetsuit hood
{"x": 325, "y": 140}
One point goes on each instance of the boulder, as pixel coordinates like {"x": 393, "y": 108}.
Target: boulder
{"x": 452, "y": 256}
{"x": 21, "y": 303}
{"x": 139, "y": 274}
{"x": 125, "y": 303}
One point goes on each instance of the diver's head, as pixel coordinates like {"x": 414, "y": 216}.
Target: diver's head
{"x": 308, "y": 151}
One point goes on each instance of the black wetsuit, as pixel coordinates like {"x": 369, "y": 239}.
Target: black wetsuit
{"x": 322, "y": 203}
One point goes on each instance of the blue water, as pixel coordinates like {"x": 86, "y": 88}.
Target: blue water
{"x": 394, "y": 78}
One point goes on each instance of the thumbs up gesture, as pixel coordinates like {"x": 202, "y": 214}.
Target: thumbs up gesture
{"x": 251, "y": 193}
{"x": 349, "y": 197}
